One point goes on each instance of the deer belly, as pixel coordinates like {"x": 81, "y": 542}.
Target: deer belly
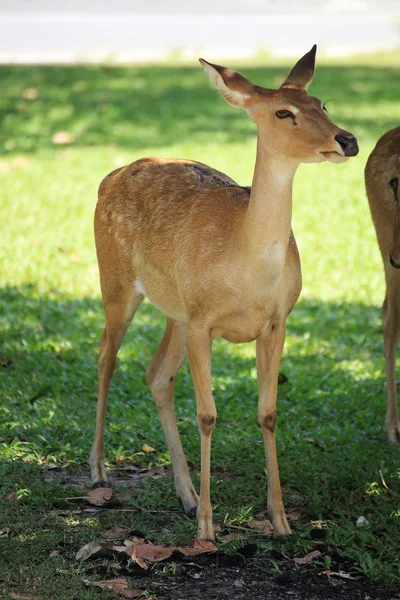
{"x": 167, "y": 301}
{"x": 246, "y": 327}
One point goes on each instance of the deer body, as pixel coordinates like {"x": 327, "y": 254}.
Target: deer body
{"x": 382, "y": 177}
{"x": 164, "y": 240}
{"x": 217, "y": 259}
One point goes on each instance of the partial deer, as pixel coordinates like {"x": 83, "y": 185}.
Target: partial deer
{"x": 217, "y": 259}
{"x": 382, "y": 175}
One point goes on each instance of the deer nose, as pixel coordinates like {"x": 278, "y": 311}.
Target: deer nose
{"x": 348, "y": 143}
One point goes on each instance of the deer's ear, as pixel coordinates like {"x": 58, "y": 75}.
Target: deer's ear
{"x": 302, "y": 73}
{"x": 236, "y": 89}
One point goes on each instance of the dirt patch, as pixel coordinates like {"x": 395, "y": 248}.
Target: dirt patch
{"x": 219, "y": 578}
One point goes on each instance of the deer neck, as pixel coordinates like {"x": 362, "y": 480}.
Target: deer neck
{"x": 269, "y": 215}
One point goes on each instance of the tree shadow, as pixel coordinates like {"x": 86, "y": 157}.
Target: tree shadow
{"x": 154, "y": 106}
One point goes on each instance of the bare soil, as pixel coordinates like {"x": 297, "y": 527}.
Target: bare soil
{"x": 223, "y": 577}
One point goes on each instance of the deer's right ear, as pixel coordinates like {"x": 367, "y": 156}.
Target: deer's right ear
{"x": 236, "y": 89}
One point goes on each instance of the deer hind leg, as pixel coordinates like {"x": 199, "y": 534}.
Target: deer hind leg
{"x": 119, "y": 313}
{"x": 161, "y": 379}
{"x": 391, "y": 326}
{"x": 269, "y": 351}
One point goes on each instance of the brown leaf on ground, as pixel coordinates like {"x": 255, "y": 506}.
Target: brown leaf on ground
{"x": 128, "y": 545}
{"x": 22, "y": 596}
{"x": 99, "y": 496}
{"x": 93, "y": 550}
{"x": 115, "y": 533}
{"x": 153, "y": 552}
{"x": 137, "y": 559}
{"x": 62, "y": 137}
{"x": 143, "y": 553}
{"x": 134, "y": 540}
{"x": 305, "y": 560}
{"x": 205, "y": 546}
{"x": 200, "y": 546}
{"x": 341, "y": 574}
{"x": 11, "y": 496}
{"x": 293, "y": 514}
{"x": 264, "y": 527}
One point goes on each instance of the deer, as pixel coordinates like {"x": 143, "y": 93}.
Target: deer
{"x": 218, "y": 259}
{"x": 382, "y": 174}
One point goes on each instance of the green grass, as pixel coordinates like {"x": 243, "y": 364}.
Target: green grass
{"x": 331, "y": 445}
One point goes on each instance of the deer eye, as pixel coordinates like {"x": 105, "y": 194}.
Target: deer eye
{"x": 284, "y": 114}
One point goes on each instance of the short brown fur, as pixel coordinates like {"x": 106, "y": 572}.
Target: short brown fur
{"x": 217, "y": 259}
{"x": 382, "y": 180}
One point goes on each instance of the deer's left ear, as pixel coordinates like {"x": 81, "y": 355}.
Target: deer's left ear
{"x": 302, "y": 73}
{"x": 236, "y": 89}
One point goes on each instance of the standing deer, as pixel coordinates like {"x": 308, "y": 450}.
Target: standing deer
{"x": 217, "y": 259}
{"x": 382, "y": 174}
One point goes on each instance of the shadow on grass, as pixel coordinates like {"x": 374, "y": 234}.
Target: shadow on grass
{"x": 48, "y": 356}
{"x": 154, "y": 106}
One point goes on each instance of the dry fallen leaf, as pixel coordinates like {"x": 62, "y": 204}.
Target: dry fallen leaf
{"x": 93, "y": 549}
{"x": 153, "y": 552}
{"x": 341, "y": 574}
{"x": 293, "y": 514}
{"x": 147, "y": 448}
{"x": 141, "y": 552}
{"x": 200, "y": 546}
{"x": 62, "y": 137}
{"x": 99, "y": 496}
{"x": 205, "y": 546}
{"x": 304, "y": 560}
{"x": 11, "y": 496}
{"x": 137, "y": 559}
{"x": 115, "y": 533}
{"x": 264, "y": 527}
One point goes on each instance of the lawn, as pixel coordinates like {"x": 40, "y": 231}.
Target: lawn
{"x": 335, "y": 462}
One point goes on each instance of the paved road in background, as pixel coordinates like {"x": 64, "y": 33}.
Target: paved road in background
{"x": 31, "y": 32}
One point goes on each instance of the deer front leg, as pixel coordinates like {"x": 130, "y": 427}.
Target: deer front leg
{"x": 199, "y": 352}
{"x": 391, "y": 335}
{"x": 269, "y": 351}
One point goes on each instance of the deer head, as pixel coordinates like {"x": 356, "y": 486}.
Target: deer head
{"x": 291, "y": 124}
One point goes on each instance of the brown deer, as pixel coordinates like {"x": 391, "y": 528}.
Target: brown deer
{"x": 217, "y": 259}
{"x": 382, "y": 174}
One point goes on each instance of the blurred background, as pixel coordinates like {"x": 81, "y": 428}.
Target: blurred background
{"x": 133, "y": 30}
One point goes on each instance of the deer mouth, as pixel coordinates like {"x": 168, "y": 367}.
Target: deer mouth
{"x": 334, "y": 157}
